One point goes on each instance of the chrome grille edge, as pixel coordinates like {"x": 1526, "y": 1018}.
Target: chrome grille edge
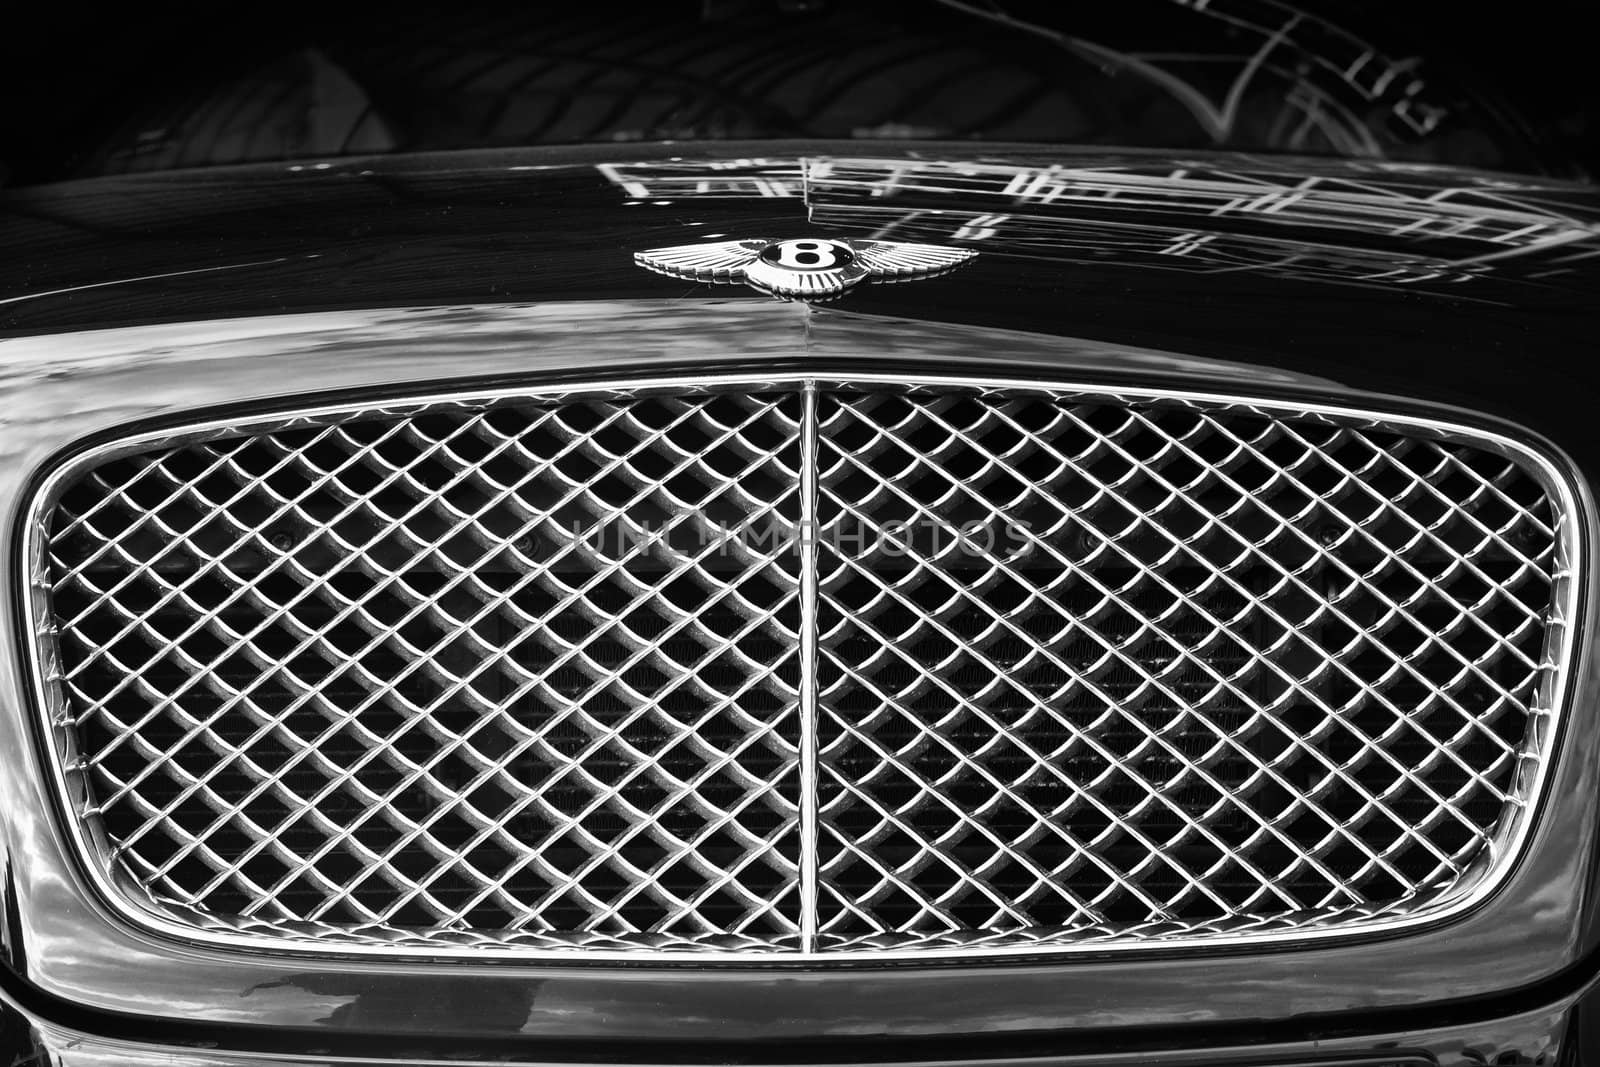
{"x": 919, "y": 887}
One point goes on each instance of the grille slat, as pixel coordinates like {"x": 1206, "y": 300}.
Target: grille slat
{"x": 529, "y": 673}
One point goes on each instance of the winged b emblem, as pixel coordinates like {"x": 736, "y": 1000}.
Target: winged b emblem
{"x": 804, "y": 268}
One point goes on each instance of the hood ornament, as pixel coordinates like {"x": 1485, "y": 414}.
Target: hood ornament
{"x": 812, "y": 269}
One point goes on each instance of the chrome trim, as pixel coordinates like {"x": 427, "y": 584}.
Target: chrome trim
{"x": 835, "y": 265}
{"x": 808, "y": 667}
{"x": 1544, "y": 722}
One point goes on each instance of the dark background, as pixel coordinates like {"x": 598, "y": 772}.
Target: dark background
{"x": 70, "y": 74}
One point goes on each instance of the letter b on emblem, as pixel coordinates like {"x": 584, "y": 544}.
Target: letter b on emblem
{"x": 808, "y": 254}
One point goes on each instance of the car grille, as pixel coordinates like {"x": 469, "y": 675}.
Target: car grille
{"x": 800, "y": 666}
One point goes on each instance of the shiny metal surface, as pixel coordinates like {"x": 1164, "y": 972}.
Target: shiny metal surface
{"x": 814, "y": 270}
{"x": 1275, "y": 745}
{"x": 1194, "y": 668}
{"x": 442, "y": 676}
{"x": 70, "y": 943}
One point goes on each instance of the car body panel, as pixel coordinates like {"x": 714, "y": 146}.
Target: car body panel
{"x": 134, "y": 300}
{"x": 1561, "y": 1032}
{"x": 64, "y": 388}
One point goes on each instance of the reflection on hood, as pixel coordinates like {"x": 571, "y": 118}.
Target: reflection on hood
{"x": 1226, "y": 74}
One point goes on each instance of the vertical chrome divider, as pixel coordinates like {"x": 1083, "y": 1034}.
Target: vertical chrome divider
{"x": 807, "y": 545}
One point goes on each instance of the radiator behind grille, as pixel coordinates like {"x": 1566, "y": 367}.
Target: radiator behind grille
{"x": 802, "y": 666}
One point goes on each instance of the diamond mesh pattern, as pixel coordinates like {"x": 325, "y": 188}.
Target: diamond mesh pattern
{"x": 532, "y": 673}
{"x": 1188, "y": 671}
{"x": 463, "y": 670}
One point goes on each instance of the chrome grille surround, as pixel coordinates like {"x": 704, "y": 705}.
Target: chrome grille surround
{"x": 854, "y": 866}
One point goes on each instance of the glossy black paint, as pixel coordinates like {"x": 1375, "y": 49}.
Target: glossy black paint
{"x": 542, "y": 224}
{"x": 547, "y": 234}
{"x": 1559, "y": 1034}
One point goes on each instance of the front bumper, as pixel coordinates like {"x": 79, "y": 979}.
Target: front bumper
{"x": 1561, "y": 1032}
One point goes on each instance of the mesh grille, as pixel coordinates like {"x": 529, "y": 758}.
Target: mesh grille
{"x": 453, "y": 672}
{"x": 1184, "y": 671}
{"x": 790, "y": 666}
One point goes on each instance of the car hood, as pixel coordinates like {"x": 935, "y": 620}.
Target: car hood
{"x": 1469, "y": 287}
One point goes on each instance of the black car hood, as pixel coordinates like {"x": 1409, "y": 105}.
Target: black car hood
{"x": 1470, "y": 287}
